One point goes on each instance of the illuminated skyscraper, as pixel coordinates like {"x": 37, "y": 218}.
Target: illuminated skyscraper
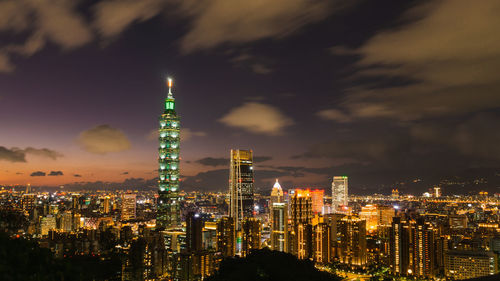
{"x": 322, "y": 243}
{"x": 251, "y": 235}
{"x": 279, "y": 227}
{"x": 241, "y": 186}
{"x": 276, "y": 194}
{"x": 352, "y": 242}
{"x": 301, "y": 207}
{"x": 226, "y": 238}
{"x": 168, "y": 212}
{"x": 128, "y": 206}
{"x": 339, "y": 192}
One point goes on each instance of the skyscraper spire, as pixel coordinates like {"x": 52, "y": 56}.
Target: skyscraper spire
{"x": 168, "y": 212}
{"x": 169, "y": 83}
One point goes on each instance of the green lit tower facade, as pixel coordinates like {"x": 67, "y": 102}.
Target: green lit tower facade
{"x": 168, "y": 211}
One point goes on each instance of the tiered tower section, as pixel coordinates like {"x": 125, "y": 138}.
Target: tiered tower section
{"x": 168, "y": 212}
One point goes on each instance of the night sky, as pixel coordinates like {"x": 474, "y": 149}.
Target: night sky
{"x": 382, "y": 91}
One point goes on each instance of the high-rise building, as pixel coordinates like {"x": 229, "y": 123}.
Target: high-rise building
{"x": 194, "y": 232}
{"x": 276, "y": 194}
{"x": 47, "y": 223}
{"x": 301, "y": 206}
{"x": 28, "y": 202}
{"x": 437, "y": 191}
{"x": 412, "y": 248}
{"x": 241, "y": 186}
{"x": 128, "y": 206}
{"x": 458, "y": 221}
{"x": 105, "y": 204}
{"x": 322, "y": 243}
{"x": 317, "y": 196}
{"x": 304, "y": 240}
{"x": 352, "y": 241}
{"x": 226, "y": 238}
{"x": 385, "y": 215}
{"x": 250, "y": 235}
{"x": 339, "y": 192}
{"x": 67, "y": 221}
{"x": 371, "y": 215}
{"x": 279, "y": 227}
{"x": 168, "y": 211}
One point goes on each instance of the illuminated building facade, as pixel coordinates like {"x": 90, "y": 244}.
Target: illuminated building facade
{"x": 352, "y": 241}
{"x": 322, "y": 243}
{"x": 461, "y": 264}
{"x": 371, "y": 215}
{"x": 279, "y": 227}
{"x": 339, "y": 192}
{"x": 251, "y": 230}
{"x": 168, "y": 212}
{"x": 412, "y": 244}
{"x": 276, "y": 194}
{"x": 226, "y": 238}
{"x": 301, "y": 206}
{"x": 128, "y": 206}
{"x": 241, "y": 190}
{"x": 317, "y": 196}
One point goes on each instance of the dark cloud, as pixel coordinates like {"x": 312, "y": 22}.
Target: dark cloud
{"x": 12, "y": 155}
{"x": 103, "y": 139}
{"x": 19, "y": 173}
{"x": 77, "y": 176}
{"x": 55, "y": 173}
{"x": 43, "y": 152}
{"x": 38, "y": 174}
{"x": 19, "y": 155}
{"x": 124, "y": 173}
{"x": 259, "y": 159}
{"x": 210, "y": 161}
{"x": 129, "y": 183}
{"x": 448, "y": 51}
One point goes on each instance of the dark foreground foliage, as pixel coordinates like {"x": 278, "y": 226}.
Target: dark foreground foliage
{"x": 264, "y": 265}
{"x": 21, "y": 259}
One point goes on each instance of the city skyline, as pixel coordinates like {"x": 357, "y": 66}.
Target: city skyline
{"x": 79, "y": 102}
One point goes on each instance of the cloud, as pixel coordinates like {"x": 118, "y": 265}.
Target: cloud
{"x": 124, "y": 173}
{"x": 43, "y": 152}
{"x": 210, "y": 161}
{"x": 103, "y": 139}
{"x": 257, "y": 118}
{"x": 77, "y": 176}
{"x": 55, "y": 173}
{"x": 220, "y": 22}
{"x": 42, "y": 21}
{"x": 446, "y": 52}
{"x": 19, "y": 155}
{"x": 258, "y": 159}
{"x": 12, "y": 155}
{"x": 187, "y": 134}
{"x": 260, "y": 68}
{"x": 335, "y": 115}
{"x": 113, "y": 16}
{"x": 38, "y": 174}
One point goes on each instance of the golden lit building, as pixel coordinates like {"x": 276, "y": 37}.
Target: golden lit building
{"x": 371, "y": 215}
{"x": 352, "y": 241}
{"x": 322, "y": 243}
{"x": 226, "y": 238}
{"x": 251, "y": 230}
{"x": 461, "y": 265}
{"x": 128, "y": 206}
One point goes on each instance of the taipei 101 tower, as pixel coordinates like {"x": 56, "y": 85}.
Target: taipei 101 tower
{"x": 168, "y": 211}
